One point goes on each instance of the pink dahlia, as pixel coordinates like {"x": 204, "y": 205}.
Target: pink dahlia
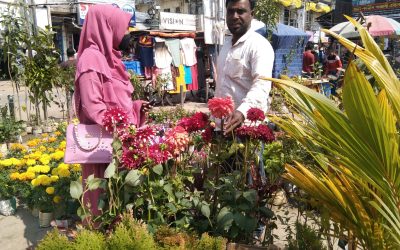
{"x": 177, "y": 140}
{"x": 115, "y": 118}
{"x": 255, "y": 114}
{"x": 207, "y": 134}
{"x": 157, "y": 153}
{"x": 221, "y": 107}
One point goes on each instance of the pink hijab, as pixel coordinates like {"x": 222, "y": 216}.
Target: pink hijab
{"x": 103, "y": 30}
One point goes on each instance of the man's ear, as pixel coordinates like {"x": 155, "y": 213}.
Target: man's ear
{"x": 252, "y": 13}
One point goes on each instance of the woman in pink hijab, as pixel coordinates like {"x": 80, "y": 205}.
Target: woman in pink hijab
{"x": 101, "y": 80}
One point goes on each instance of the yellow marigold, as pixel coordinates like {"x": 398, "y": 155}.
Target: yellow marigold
{"x": 44, "y": 135}
{"x": 45, "y": 159}
{"x": 15, "y": 161}
{"x": 36, "y": 155}
{"x": 42, "y": 148}
{"x": 30, "y": 162}
{"x": 33, "y": 142}
{"x": 56, "y": 199}
{"x": 63, "y": 166}
{"x": 44, "y": 180}
{"x": 22, "y": 177}
{"x": 50, "y": 150}
{"x": 54, "y": 178}
{"x": 17, "y": 147}
{"x": 1, "y": 155}
{"x": 44, "y": 169}
{"x": 35, "y": 182}
{"x": 30, "y": 175}
{"x": 64, "y": 173}
{"x": 54, "y": 171}
{"x": 50, "y": 190}
{"x": 52, "y": 139}
{"x": 76, "y": 167}
{"x": 14, "y": 176}
{"x": 62, "y": 145}
{"x": 58, "y": 155}
{"x": 6, "y": 162}
{"x": 57, "y": 133}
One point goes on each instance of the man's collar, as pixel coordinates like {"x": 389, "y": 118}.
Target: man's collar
{"x": 243, "y": 37}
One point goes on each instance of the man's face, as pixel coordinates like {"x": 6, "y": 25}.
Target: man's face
{"x": 238, "y": 17}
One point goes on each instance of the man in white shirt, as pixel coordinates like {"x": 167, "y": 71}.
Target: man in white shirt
{"x": 243, "y": 60}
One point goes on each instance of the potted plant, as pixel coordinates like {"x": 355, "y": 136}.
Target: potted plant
{"x": 7, "y": 191}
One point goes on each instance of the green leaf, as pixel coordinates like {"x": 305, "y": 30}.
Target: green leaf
{"x": 224, "y": 218}
{"x": 171, "y": 207}
{"x": 75, "y": 189}
{"x": 205, "y": 210}
{"x": 246, "y": 223}
{"x": 250, "y": 195}
{"x": 81, "y": 213}
{"x": 267, "y": 212}
{"x": 94, "y": 184}
{"x": 133, "y": 178}
{"x": 110, "y": 170}
{"x": 158, "y": 169}
{"x": 168, "y": 188}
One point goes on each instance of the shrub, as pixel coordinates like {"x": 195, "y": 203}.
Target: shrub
{"x": 54, "y": 241}
{"x": 89, "y": 240}
{"x": 170, "y": 238}
{"x": 207, "y": 242}
{"x": 131, "y": 235}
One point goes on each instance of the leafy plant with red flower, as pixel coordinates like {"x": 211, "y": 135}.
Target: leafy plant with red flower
{"x": 221, "y": 107}
{"x": 115, "y": 120}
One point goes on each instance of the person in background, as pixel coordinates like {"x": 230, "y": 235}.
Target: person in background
{"x": 68, "y": 68}
{"x": 308, "y": 61}
{"x": 245, "y": 57}
{"x": 333, "y": 64}
{"x": 101, "y": 80}
{"x": 71, "y": 61}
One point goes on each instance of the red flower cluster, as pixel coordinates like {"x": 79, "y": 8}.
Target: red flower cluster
{"x": 255, "y": 114}
{"x": 220, "y": 107}
{"x": 115, "y": 118}
{"x": 261, "y": 132}
{"x": 194, "y": 123}
{"x": 207, "y": 134}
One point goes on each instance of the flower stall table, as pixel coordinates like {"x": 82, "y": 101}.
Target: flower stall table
{"x": 322, "y": 85}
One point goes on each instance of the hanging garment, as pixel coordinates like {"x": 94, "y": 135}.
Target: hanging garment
{"x": 180, "y": 81}
{"x": 188, "y": 49}
{"x": 175, "y": 48}
{"x": 145, "y": 51}
{"x": 188, "y": 75}
{"x": 163, "y": 58}
{"x": 194, "y": 85}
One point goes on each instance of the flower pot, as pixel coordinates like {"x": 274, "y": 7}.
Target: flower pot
{"x": 3, "y": 149}
{"x": 62, "y": 223}
{"x": 35, "y": 212}
{"x": 37, "y": 131}
{"x": 47, "y": 129}
{"x": 45, "y": 219}
{"x": 8, "y": 207}
{"x": 28, "y": 129}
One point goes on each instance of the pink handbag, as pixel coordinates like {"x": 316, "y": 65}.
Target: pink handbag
{"x": 88, "y": 144}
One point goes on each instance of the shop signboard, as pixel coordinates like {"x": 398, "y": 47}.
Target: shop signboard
{"x": 385, "y": 8}
{"x": 126, "y": 5}
{"x": 176, "y": 21}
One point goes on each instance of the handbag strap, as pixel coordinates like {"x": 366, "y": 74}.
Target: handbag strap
{"x": 78, "y": 141}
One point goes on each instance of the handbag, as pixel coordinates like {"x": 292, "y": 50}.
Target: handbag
{"x": 88, "y": 144}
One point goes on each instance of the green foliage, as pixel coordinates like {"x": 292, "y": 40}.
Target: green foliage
{"x": 54, "y": 241}
{"x": 268, "y": 11}
{"x": 168, "y": 115}
{"x": 9, "y": 129}
{"x": 90, "y": 240}
{"x": 306, "y": 238}
{"x": 172, "y": 239}
{"x": 7, "y": 188}
{"x": 139, "y": 92}
{"x": 207, "y": 242}
{"x": 131, "y": 234}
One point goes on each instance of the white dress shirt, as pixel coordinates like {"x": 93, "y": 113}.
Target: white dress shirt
{"x": 239, "y": 68}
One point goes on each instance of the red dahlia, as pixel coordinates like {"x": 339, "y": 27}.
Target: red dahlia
{"x": 220, "y": 107}
{"x": 255, "y": 114}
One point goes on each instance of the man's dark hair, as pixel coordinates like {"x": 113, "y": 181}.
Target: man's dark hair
{"x": 70, "y": 52}
{"x": 309, "y": 46}
{"x": 252, "y": 3}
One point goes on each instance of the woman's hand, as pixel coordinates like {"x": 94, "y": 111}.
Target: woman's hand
{"x": 146, "y": 107}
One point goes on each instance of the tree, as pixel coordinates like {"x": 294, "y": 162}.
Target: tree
{"x": 268, "y": 12}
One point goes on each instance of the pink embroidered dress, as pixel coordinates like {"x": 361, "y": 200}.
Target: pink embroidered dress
{"x": 101, "y": 81}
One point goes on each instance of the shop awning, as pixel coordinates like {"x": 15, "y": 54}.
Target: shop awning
{"x": 291, "y": 3}
{"x": 310, "y": 6}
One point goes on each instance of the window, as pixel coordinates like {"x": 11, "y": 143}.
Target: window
{"x": 290, "y": 17}
{"x": 178, "y": 10}
{"x": 167, "y": 10}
